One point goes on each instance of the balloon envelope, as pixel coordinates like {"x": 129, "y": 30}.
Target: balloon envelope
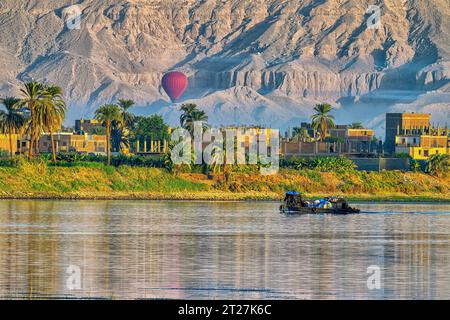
{"x": 174, "y": 83}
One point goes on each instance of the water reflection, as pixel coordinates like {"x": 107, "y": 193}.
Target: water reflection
{"x": 220, "y": 250}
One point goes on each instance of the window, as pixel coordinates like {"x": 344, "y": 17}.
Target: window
{"x": 426, "y": 153}
{"x": 420, "y": 152}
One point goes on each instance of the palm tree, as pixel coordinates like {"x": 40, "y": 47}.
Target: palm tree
{"x": 107, "y": 114}
{"x": 119, "y": 137}
{"x": 11, "y": 120}
{"x": 356, "y": 125}
{"x": 301, "y": 133}
{"x": 127, "y": 116}
{"x": 322, "y": 120}
{"x": 51, "y": 114}
{"x": 217, "y": 159}
{"x": 33, "y": 95}
{"x": 120, "y": 130}
{"x": 187, "y": 110}
{"x": 438, "y": 164}
{"x": 196, "y": 116}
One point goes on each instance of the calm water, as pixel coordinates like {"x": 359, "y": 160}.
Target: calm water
{"x": 138, "y": 249}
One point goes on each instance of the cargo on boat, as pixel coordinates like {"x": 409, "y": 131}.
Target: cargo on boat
{"x": 294, "y": 204}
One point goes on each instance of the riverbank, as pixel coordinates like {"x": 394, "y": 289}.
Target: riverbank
{"x": 214, "y": 196}
{"x": 96, "y": 181}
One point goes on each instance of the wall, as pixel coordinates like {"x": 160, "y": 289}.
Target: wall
{"x": 4, "y": 142}
{"x": 379, "y": 164}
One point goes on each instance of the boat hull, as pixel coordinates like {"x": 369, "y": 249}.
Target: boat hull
{"x": 306, "y": 210}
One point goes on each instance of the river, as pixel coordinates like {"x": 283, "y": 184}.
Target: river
{"x": 228, "y": 250}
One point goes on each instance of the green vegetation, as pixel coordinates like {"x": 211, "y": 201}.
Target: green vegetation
{"x": 323, "y": 120}
{"x": 39, "y": 179}
{"x": 191, "y": 114}
{"x": 11, "y": 120}
{"x": 120, "y": 128}
{"x": 356, "y": 125}
{"x": 301, "y": 134}
{"x": 439, "y": 164}
{"x": 50, "y": 115}
{"x": 323, "y": 164}
{"x": 94, "y": 180}
{"x": 152, "y": 127}
{"x": 108, "y": 114}
{"x": 41, "y": 108}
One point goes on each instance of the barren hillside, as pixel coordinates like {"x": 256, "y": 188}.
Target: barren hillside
{"x": 259, "y": 61}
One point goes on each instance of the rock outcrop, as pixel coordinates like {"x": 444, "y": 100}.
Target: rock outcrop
{"x": 268, "y": 60}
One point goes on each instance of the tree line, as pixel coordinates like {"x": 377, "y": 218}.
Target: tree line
{"x": 40, "y": 108}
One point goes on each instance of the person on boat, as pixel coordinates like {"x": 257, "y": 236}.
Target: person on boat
{"x": 292, "y": 200}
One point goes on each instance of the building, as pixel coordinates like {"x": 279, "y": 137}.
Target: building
{"x": 359, "y": 141}
{"x": 412, "y": 134}
{"x": 406, "y": 123}
{"x": 422, "y": 145}
{"x": 4, "y": 143}
{"x": 245, "y": 134}
{"x": 69, "y": 142}
{"x": 340, "y": 140}
{"x": 86, "y": 126}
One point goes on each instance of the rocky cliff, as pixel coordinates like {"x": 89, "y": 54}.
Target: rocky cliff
{"x": 259, "y": 61}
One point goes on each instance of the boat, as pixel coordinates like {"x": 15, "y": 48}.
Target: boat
{"x": 294, "y": 204}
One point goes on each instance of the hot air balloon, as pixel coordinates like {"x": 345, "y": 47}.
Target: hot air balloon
{"x": 174, "y": 83}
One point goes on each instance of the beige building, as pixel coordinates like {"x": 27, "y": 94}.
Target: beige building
{"x": 413, "y": 134}
{"x": 69, "y": 142}
{"x": 422, "y": 146}
{"x": 4, "y": 143}
{"x": 348, "y": 141}
{"x": 86, "y": 126}
{"x": 404, "y": 123}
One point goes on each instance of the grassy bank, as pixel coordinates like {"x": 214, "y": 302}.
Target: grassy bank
{"x": 97, "y": 181}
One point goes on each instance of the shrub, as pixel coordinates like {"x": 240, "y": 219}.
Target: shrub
{"x": 438, "y": 164}
{"x": 326, "y": 164}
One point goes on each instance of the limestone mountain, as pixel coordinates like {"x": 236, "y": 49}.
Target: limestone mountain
{"x": 248, "y": 61}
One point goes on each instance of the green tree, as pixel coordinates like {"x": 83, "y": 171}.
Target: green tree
{"x": 217, "y": 159}
{"x": 128, "y": 117}
{"x": 11, "y": 120}
{"x": 120, "y": 131}
{"x": 196, "y": 116}
{"x": 50, "y": 115}
{"x": 301, "y": 134}
{"x": 101, "y": 131}
{"x": 152, "y": 127}
{"x": 107, "y": 114}
{"x": 356, "y": 125}
{"x": 415, "y": 166}
{"x": 438, "y": 164}
{"x": 322, "y": 120}
{"x": 186, "y": 110}
{"x": 119, "y": 137}
{"x": 33, "y": 95}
